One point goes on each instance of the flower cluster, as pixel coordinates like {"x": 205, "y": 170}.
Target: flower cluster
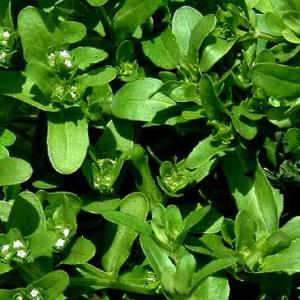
{"x": 65, "y": 93}
{"x": 17, "y": 250}
{"x": 60, "y": 61}
{"x": 5, "y": 47}
{"x": 128, "y": 71}
{"x": 103, "y": 178}
{"x": 64, "y": 235}
{"x": 29, "y": 294}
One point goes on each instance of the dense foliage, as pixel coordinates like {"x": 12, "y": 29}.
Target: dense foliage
{"x": 149, "y": 149}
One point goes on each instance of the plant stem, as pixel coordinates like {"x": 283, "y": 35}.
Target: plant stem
{"x": 105, "y": 21}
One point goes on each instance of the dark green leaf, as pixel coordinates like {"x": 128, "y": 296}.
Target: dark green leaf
{"x": 203, "y": 152}
{"x": 211, "y": 103}
{"x": 132, "y": 14}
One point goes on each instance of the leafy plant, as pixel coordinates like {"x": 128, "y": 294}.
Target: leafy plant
{"x": 149, "y": 149}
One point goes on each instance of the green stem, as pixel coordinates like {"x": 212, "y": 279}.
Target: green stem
{"x": 143, "y": 176}
{"x": 103, "y": 284}
{"x": 105, "y": 21}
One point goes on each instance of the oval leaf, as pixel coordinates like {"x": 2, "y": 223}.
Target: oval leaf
{"x": 67, "y": 140}
{"x": 163, "y": 50}
{"x": 277, "y": 80}
{"x": 135, "y": 100}
{"x": 14, "y": 171}
{"x": 184, "y": 20}
{"x": 81, "y": 252}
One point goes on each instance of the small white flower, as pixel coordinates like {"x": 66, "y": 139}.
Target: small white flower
{"x": 21, "y": 253}
{"x": 19, "y": 297}
{"x": 35, "y": 293}
{"x": 4, "y": 248}
{"x": 5, "y": 34}
{"x": 73, "y": 95}
{"x": 73, "y": 91}
{"x": 66, "y": 231}
{"x": 60, "y": 243}
{"x": 68, "y": 63}
{"x": 64, "y": 53}
{"x": 18, "y": 244}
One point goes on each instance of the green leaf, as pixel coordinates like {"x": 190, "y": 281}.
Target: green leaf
{"x": 126, "y": 219}
{"x": 43, "y": 76}
{"x": 203, "y": 152}
{"x": 245, "y": 127}
{"x": 244, "y": 228}
{"x": 117, "y": 136}
{"x": 184, "y": 20}
{"x": 291, "y": 142}
{"x": 72, "y": 31}
{"x": 200, "y": 31}
{"x": 96, "y": 77}
{"x": 52, "y": 284}
{"x": 97, "y": 207}
{"x": 132, "y": 14}
{"x": 5, "y": 208}
{"x": 97, "y": 2}
{"x": 214, "y": 287}
{"x": 251, "y": 190}
{"x": 14, "y": 171}
{"x": 135, "y": 206}
{"x": 81, "y": 252}
{"x": 251, "y": 3}
{"x": 3, "y": 152}
{"x": 7, "y": 138}
{"x": 195, "y": 217}
{"x": 6, "y": 19}
{"x": 292, "y": 20}
{"x": 211, "y": 268}
{"x": 214, "y": 49}
{"x": 275, "y": 243}
{"x": 7, "y": 294}
{"x": 284, "y": 261}
{"x": 137, "y": 100}
{"x": 277, "y": 80}
{"x": 38, "y": 34}
{"x": 65, "y": 129}
{"x": 210, "y": 244}
{"x": 184, "y": 274}
{"x": 84, "y": 57}
{"x": 294, "y": 4}
{"x": 143, "y": 177}
{"x": 210, "y": 101}
{"x": 17, "y": 85}
{"x": 156, "y": 255}
{"x": 163, "y": 50}
{"x": 26, "y": 204}
{"x": 292, "y": 228}
{"x": 290, "y": 36}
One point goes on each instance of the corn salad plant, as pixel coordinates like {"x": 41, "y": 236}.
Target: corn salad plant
{"x": 149, "y": 149}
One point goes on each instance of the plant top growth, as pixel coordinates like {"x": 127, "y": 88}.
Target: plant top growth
{"x": 149, "y": 149}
